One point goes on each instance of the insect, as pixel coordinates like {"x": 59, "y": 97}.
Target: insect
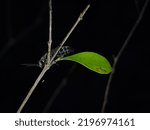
{"x": 65, "y": 50}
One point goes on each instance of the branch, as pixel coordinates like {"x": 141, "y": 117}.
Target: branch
{"x": 46, "y": 67}
{"x": 64, "y": 80}
{"x": 116, "y": 59}
{"x": 50, "y": 32}
{"x": 32, "y": 89}
{"x": 50, "y": 61}
{"x": 71, "y": 30}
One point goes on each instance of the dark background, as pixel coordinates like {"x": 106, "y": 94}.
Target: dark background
{"x": 24, "y": 27}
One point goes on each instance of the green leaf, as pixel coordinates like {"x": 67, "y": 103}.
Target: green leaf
{"x": 92, "y": 61}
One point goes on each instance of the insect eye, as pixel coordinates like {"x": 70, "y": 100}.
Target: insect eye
{"x": 42, "y": 61}
{"x": 40, "y": 64}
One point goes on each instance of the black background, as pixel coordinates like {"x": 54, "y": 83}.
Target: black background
{"x": 24, "y": 27}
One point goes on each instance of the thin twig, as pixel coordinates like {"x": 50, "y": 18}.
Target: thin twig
{"x": 116, "y": 59}
{"x": 46, "y": 67}
{"x": 50, "y": 32}
{"x": 70, "y": 31}
{"x": 32, "y": 89}
{"x": 64, "y": 81}
{"x": 50, "y": 61}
